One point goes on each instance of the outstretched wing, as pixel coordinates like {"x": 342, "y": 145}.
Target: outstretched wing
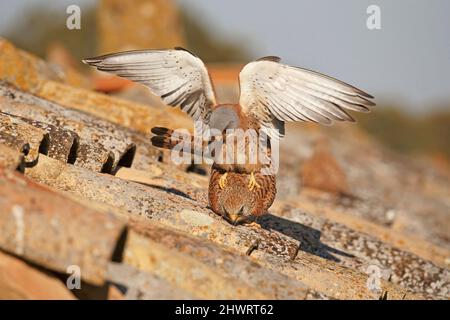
{"x": 176, "y": 75}
{"x": 273, "y": 93}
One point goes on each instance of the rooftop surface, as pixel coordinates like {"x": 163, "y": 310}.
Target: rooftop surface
{"x": 82, "y": 188}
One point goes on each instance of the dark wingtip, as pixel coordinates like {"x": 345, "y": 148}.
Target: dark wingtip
{"x": 91, "y": 61}
{"x": 349, "y": 117}
{"x": 184, "y": 49}
{"x": 365, "y": 94}
{"x": 370, "y": 103}
{"x": 270, "y": 58}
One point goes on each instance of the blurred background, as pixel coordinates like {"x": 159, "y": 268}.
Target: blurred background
{"x": 405, "y": 64}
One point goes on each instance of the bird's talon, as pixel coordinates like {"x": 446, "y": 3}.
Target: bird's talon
{"x": 253, "y": 224}
{"x": 223, "y": 181}
{"x": 252, "y": 183}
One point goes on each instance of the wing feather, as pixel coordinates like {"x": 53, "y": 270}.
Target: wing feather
{"x": 177, "y": 76}
{"x": 273, "y": 92}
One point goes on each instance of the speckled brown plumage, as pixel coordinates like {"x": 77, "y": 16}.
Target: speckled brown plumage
{"x": 236, "y": 202}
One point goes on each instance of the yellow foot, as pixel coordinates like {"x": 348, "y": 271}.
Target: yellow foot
{"x": 223, "y": 181}
{"x": 252, "y": 183}
{"x": 253, "y": 224}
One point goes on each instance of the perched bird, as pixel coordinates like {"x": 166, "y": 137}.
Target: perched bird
{"x": 270, "y": 94}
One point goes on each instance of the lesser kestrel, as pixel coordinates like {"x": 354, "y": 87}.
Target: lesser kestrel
{"x": 270, "y": 94}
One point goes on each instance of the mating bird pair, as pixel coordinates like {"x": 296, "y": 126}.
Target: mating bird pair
{"x": 270, "y": 94}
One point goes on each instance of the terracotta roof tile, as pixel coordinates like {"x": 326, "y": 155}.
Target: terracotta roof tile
{"x": 81, "y": 184}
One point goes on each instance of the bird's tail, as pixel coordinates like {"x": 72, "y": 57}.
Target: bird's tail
{"x": 166, "y": 139}
{"x": 163, "y": 138}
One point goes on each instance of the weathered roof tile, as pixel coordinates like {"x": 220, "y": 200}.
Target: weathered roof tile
{"x": 11, "y": 158}
{"x": 48, "y": 229}
{"x": 312, "y": 246}
{"x": 165, "y": 206}
{"x": 100, "y": 143}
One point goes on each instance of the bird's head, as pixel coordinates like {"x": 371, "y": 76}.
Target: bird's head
{"x": 236, "y": 211}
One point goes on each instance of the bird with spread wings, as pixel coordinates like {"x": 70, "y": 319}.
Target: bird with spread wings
{"x": 271, "y": 93}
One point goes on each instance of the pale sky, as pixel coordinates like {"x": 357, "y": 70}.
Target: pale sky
{"x": 407, "y": 60}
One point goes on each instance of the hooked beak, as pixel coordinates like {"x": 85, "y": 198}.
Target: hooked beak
{"x": 234, "y": 218}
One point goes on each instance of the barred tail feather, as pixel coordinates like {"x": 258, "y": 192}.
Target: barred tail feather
{"x": 165, "y": 139}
